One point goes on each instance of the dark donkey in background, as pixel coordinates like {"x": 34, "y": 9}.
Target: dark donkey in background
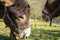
{"x": 16, "y": 17}
{"x": 51, "y": 10}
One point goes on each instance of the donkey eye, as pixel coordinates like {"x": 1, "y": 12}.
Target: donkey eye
{"x": 18, "y": 9}
{"x": 20, "y": 17}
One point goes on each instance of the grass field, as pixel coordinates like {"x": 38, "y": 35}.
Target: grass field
{"x": 40, "y": 31}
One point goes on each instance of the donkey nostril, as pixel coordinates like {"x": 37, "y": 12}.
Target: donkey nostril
{"x": 23, "y": 36}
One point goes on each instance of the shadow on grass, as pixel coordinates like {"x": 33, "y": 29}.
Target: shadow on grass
{"x": 2, "y": 37}
{"x": 41, "y": 34}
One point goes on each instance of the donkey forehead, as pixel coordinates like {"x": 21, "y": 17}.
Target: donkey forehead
{"x": 16, "y": 10}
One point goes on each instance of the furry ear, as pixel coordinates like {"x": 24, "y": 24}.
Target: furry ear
{"x": 7, "y": 2}
{"x": 2, "y": 9}
{"x": 1, "y": 2}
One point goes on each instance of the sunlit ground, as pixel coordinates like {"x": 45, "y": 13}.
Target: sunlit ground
{"x": 40, "y": 31}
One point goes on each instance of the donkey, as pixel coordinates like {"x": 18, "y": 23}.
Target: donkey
{"x": 51, "y": 10}
{"x": 17, "y": 18}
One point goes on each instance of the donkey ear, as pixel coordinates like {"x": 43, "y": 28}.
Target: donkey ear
{"x": 2, "y": 2}
{"x": 7, "y": 2}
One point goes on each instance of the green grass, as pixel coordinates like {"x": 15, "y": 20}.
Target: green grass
{"x": 40, "y": 31}
{"x": 4, "y": 32}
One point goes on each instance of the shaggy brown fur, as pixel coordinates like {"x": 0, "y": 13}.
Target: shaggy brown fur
{"x": 16, "y": 9}
{"x": 2, "y": 9}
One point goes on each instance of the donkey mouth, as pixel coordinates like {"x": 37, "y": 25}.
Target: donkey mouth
{"x": 24, "y": 33}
